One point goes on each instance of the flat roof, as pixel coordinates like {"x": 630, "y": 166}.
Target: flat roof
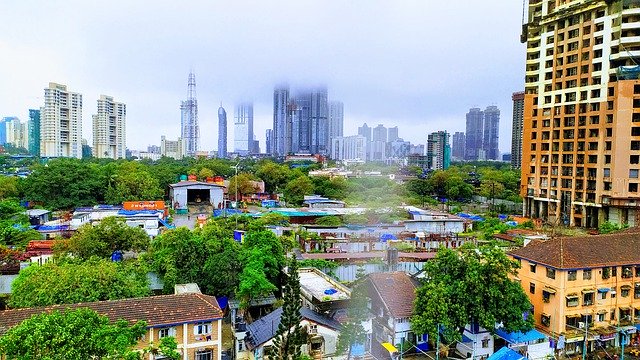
{"x": 193, "y": 183}
{"x": 322, "y": 287}
{"x": 368, "y": 255}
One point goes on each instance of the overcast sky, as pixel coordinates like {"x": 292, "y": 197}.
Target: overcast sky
{"x": 419, "y": 64}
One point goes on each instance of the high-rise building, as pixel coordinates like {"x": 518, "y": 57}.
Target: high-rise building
{"x": 171, "y": 148}
{"x": 222, "y": 132}
{"x": 392, "y": 134}
{"x": 243, "y": 129}
{"x": 349, "y": 148}
{"x": 365, "y": 131}
{"x": 580, "y": 137}
{"x": 379, "y": 133}
{"x": 491, "y": 132}
{"x": 189, "y": 119}
{"x": 336, "y": 119}
{"x": 109, "y": 129}
{"x": 3, "y": 130}
{"x": 416, "y": 149}
{"x": 516, "y": 129}
{"x": 473, "y": 149}
{"x": 34, "y": 132}
{"x": 61, "y": 123}
{"x": 308, "y": 113}
{"x": 398, "y": 149}
{"x": 438, "y": 151}
{"x": 269, "y": 141}
{"x": 457, "y": 148}
{"x": 281, "y": 132}
{"x": 12, "y": 130}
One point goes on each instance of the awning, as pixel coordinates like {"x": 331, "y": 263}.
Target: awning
{"x": 587, "y": 291}
{"x": 602, "y": 311}
{"x": 625, "y": 287}
{"x": 390, "y": 348}
{"x": 549, "y": 289}
{"x": 625, "y": 308}
{"x": 603, "y": 290}
{"x": 572, "y": 296}
{"x": 573, "y": 315}
{"x": 519, "y": 337}
{"x": 629, "y": 329}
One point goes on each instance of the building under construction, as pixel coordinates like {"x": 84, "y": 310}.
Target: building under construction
{"x": 190, "y": 130}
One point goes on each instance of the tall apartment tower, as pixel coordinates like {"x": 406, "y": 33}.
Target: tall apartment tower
{"x": 336, "y": 121}
{"x": 319, "y": 121}
{"x": 222, "y": 132}
{"x": 365, "y": 131}
{"x": 243, "y": 129}
{"x": 34, "y": 132}
{"x": 516, "y": 129}
{"x": 581, "y": 124}
{"x": 438, "y": 150}
{"x": 457, "y": 146}
{"x": 491, "y": 133}
{"x": 109, "y": 129}
{"x": 473, "y": 149}
{"x": 61, "y": 123}
{"x": 189, "y": 119}
{"x": 281, "y": 121}
{"x": 269, "y": 141}
{"x": 392, "y": 134}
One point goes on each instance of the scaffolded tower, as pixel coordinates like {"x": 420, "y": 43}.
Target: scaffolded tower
{"x": 189, "y": 119}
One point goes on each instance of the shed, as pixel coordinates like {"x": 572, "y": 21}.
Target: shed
{"x": 186, "y": 193}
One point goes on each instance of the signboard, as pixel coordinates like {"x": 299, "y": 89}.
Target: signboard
{"x": 143, "y": 205}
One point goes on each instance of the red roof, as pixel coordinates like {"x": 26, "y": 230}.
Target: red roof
{"x": 397, "y": 290}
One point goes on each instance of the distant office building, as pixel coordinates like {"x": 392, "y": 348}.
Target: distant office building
{"x": 516, "y": 129}
{"x": 61, "y": 123}
{"x": 243, "y": 129}
{"x": 222, "y": 132}
{"x": 473, "y": 149}
{"x": 336, "y": 119}
{"x": 34, "y": 132}
{"x": 309, "y": 116}
{"x": 491, "y": 133}
{"x": 457, "y": 147}
{"x": 153, "y": 149}
{"x": 172, "y": 149}
{"x": 377, "y": 151}
{"x": 365, "y": 131}
{"x": 3, "y": 130}
{"x": 417, "y": 149}
{"x": 86, "y": 149}
{"x": 398, "y": 149}
{"x": 254, "y": 147}
{"x": 349, "y": 148}
{"x": 438, "y": 150}
{"x": 189, "y": 119}
{"x": 269, "y": 141}
{"x": 281, "y": 132}
{"x": 506, "y": 157}
{"x": 109, "y": 129}
{"x": 12, "y": 130}
{"x": 379, "y": 133}
{"x": 392, "y": 134}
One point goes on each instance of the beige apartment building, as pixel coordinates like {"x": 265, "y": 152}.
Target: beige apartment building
{"x": 584, "y": 287}
{"x": 581, "y": 124}
{"x": 61, "y": 123}
{"x": 109, "y": 129}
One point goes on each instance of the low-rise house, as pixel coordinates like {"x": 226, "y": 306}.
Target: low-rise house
{"x": 322, "y": 341}
{"x": 533, "y": 344}
{"x": 392, "y": 295}
{"x": 321, "y": 293}
{"x": 195, "y": 320}
{"x": 477, "y": 343}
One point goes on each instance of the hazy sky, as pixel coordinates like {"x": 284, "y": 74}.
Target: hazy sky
{"x": 419, "y": 64}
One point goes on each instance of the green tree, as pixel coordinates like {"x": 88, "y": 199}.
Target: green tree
{"x": 102, "y": 240}
{"x": 165, "y": 349}
{"x": 332, "y": 188}
{"x": 275, "y": 176}
{"x": 420, "y": 188}
{"x": 71, "y": 335}
{"x": 14, "y": 225}
{"x": 329, "y": 221}
{"x": 296, "y": 189}
{"x": 70, "y": 282}
{"x": 244, "y": 183}
{"x": 9, "y": 187}
{"x": 290, "y": 335}
{"x": 470, "y": 286}
{"x": 353, "y": 332}
{"x": 132, "y": 182}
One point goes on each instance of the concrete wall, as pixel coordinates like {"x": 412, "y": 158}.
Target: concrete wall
{"x": 5, "y": 283}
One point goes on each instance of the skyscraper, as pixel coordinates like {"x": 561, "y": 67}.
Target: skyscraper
{"x": 222, "y": 132}
{"x": 243, "y": 129}
{"x": 491, "y": 133}
{"x": 61, "y": 123}
{"x": 392, "y": 134}
{"x": 189, "y": 119}
{"x": 473, "y": 149}
{"x": 3, "y": 130}
{"x": 109, "y": 129}
{"x": 349, "y": 148}
{"x": 379, "y": 133}
{"x": 336, "y": 119}
{"x": 34, "y": 132}
{"x": 12, "y": 130}
{"x": 281, "y": 121}
{"x": 457, "y": 149}
{"x": 438, "y": 150}
{"x": 516, "y": 129}
{"x": 269, "y": 141}
{"x": 365, "y": 131}
{"x": 308, "y": 115}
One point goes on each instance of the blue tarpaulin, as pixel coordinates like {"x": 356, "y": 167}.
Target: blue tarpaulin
{"x": 519, "y": 337}
{"x": 223, "y": 301}
{"x": 424, "y": 346}
{"x": 357, "y": 350}
{"x": 226, "y": 212}
{"x": 387, "y": 237}
{"x": 471, "y": 217}
{"x": 506, "y": 354}
{"x": 330, "y": 291}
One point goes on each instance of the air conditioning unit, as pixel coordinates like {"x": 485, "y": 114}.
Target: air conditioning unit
{"x": 581, "y": 325}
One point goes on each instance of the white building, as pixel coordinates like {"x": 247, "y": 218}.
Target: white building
{"x": 109, "y": 135}
{"x": 170, "y": 148}
{"x": 349, "y": 148}
{"x": 61, "y": 123}
{"x": 336, "y": 121}
{"x": 243, "y": 129}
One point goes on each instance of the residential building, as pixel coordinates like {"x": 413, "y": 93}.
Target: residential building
{"x": 365, "y": 131}
{"x": 457, "y": 146}
{"x": 34, "y": 132}
{"x": 243, "y": 129}
{"x": 281, "y": 134}
{"x": 473, "y": 149}
{"x": 516, "y": 129}
{"x": 418, "y": 160}
{"x": 269, "y": 141}
{"x": 222, "y": 132}
{"x": 583, "y": 287}
{"x": 15, "y": 131}
{"x": 61, "y": 123}
{"x": 438, "y": 150}
{"x": 3, "y": 131}
{"x": 581, "y": 144}
{"x": 109, "y": 129}
{"x": 398, "y": 149}
{"x": 314, "y": 282}
{"x": 171, "y": 148}
{"x": 392, "y": 295}
{"x": 379, "y": 133}
{"x": 491, "y": 133}
{"x": 195, "y": 320}
{"x": 392, "y": 134}
{"x": 336, "y": 120}
{"x": 377, "y": 151}
{"x": 417, "y": 149}
{"x": 349, "y": 148}
{"x": 190, "y": 129}
{"x": 309, "y": 113}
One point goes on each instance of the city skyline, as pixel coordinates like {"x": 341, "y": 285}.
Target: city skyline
{"x": 415, "y": 91}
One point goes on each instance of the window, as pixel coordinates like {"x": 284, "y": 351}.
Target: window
{"x": 313, "y": 328}
{"x": 572, "y": 300}
{"x": 202, "y": 328}
{"x": 532, "y": 288}
{"x": 572, "y": 275}
{"x": 586, "y": 274}
{"x": 551, "y": 273}
{"x": 545, "y": 320}
{"x": 633, "y": 173}
{"x": 167, "y": 331}
{"x": 204, "y": 355}
{"x": 606, "y": 273}
{"x": 587, "y": 298}
{"x": 485, "y": 343}
{"x": 601, "y": 317}
{"x": 240, "y": 345}
{"x": 627, "y": 272}
{"x": 602, "y": 295}
{"x": 532, "y": 267}
{"x": 624, "y": 290}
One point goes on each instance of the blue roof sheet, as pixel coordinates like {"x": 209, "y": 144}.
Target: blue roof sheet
{"x": 506, "y": 354}
{"x": 519, "y": 337}
{"x": 357, "y": 350}
{"x": 223, "y": 301}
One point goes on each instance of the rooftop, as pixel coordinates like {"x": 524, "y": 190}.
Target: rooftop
{"x": 585, "y": 251}
{"x": 321, "y": 287}
{"x": 420, "y": 256}
{"x": 397, "y": 290}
